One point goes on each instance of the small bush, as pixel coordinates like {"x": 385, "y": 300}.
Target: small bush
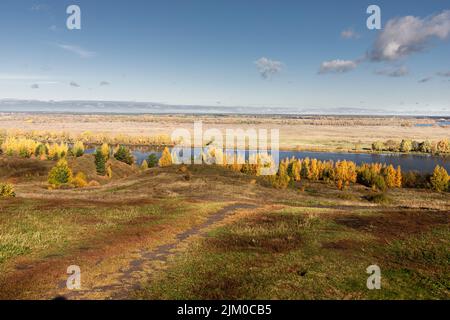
{"x": 379, "y": 183}
{"x": 381, "y": 198}
{"x": 277, "y": 181}
{"x": 80, "y": 180}
{"x": 347, "y": 196}
{"x": 7, "y": 190}
{"x": 60, "y": 174}
{"x": 93, "y": 183}
{"x": 109, "y": 172}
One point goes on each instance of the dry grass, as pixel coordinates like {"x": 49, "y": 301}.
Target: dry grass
{"x": 312, "y": 133}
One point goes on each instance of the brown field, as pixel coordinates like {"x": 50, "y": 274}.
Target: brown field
{"x": 304, "y": 133}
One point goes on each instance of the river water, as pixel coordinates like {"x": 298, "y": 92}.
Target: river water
{"x": 408, "y": 162}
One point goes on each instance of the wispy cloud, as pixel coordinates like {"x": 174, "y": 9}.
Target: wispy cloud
{"x": 83, "y": 53}
{"x": 393, "y": 72}
{"x": 337, "y": 66}
{"x": 47, "y": 82}
{"x": 424, "y": 80}
{"x": 268, "y": 68}
{"x": 17, "y": 76}
{"x": 350, "y": 34}
{"x": 444, "y": 73}
{"x": 406, "y": 35}
{"x": 40, "y": 7}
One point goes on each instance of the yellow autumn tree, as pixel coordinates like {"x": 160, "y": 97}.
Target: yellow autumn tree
{"x": 390, "y": 176}
{"x": 314, "y": 172}
{"x": 305, "y": 171}
{"x": 57, "y": 151}
{"x": 144, "y": 165}
{"x": 78, "y": 149}
{"x": 399, "y": 177}
{"x": 440, "y": 179}
{"x": 443, "y": 146}
{"x": 60, "y": 174}
{"x": 296, "y": 167}
{"x": 166, "y": 158}
{"x": 105, "y": 150}
{"x": 345, "y": 173}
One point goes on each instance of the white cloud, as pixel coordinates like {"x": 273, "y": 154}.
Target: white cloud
{"x": 395, "y": 73}
{"x": 74, "y": 84}
{"x": 406, "y": 35}
{"x": 337, "y": 66}
{"x": 77, "y": 50}
{"x": 349, "y": 34}
{"x": 267, "y": 67}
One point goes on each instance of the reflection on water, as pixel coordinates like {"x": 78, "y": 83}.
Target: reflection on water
{"x": 408, "y": 162}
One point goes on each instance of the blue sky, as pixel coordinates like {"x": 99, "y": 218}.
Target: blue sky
{"x": 207, "y": 52}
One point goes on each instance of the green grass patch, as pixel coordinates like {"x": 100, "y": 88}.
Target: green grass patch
{"x": 298, "y": 253}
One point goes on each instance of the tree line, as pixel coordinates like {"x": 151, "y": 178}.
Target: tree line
{"x": 290, "y": 171}
{"x": 406, "y": 145}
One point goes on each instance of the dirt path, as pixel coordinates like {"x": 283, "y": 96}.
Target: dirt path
{"x": 129, "y": 278}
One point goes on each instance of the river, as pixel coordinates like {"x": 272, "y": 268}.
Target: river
{"x": 408, "y": 162}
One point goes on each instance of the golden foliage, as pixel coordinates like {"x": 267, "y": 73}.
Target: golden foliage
{"x": 166, "y": 158}
{"x": 80, "y": 181}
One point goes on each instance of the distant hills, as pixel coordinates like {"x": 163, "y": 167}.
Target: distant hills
{"x": 130, "y": 107}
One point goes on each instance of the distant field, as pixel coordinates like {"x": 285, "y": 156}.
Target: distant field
{"x": 219, "y": 234}
{"x": 306, "y": 133}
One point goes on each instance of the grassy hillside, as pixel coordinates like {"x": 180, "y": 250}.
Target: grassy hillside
{"x": 214, "y": 233}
